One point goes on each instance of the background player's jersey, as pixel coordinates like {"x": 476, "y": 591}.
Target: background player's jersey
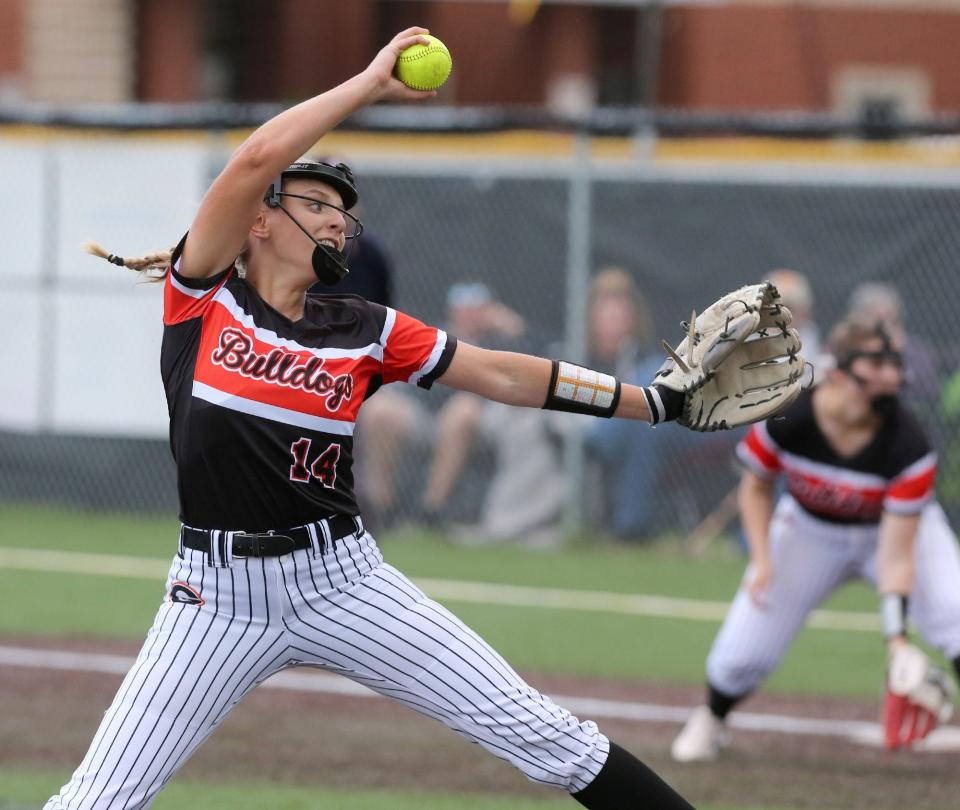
{"x": 265, "y": 407}
{"x": 894, "y": 472}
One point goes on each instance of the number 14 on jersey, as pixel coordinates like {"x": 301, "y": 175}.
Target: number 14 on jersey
{"x": 323, "y": 468}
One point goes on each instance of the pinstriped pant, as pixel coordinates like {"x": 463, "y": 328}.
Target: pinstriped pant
{"x": 344, "y": 610}
{"x": 810, "y": 559}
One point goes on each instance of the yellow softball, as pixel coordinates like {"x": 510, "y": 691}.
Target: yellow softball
{"x": 424, "y": 67}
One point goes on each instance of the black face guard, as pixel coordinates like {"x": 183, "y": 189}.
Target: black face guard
{"x": 329, "y": 264}
{"x": 890, "y": 355}
{"x": 885, "y": 405}
{"x": 887, "y": 353}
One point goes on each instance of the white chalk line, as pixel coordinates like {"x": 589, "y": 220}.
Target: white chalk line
{"x": 487, "y": 593}
{"x": 945, "y": 738}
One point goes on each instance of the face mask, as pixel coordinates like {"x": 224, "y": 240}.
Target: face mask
{"x": 329, "y": 265}
{"x": 884, "y": 405}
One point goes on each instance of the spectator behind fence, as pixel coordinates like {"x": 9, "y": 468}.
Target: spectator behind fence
{"x": 622, "y": 343}
{"x": 396, "y": 422}
{"x": 525, "y": 500}
{"x": 797, "y": 295}
{"x": 476, "y": 317}
{"x": 883, "y": 303}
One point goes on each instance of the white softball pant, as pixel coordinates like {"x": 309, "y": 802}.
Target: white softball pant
{"x": 810, "y": 559}
{"x": 344, "y": 610}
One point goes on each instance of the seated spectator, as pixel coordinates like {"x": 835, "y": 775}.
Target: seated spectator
{"x": 475, "y": 317}
{"x": 528, "y": 491}
{"x": 621, "y": 340}
{"x": 395, "y": 420}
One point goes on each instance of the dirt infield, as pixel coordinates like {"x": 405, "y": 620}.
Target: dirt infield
{"x": 48, "y": 716}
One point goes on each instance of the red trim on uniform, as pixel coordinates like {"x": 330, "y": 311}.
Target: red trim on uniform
{"x": 408, "y": 347}
{"x": 820, "y": 495}
{"x": 915, "y": 486}
{"x": 179, "y": 307}
{"x": 753, "y": 443}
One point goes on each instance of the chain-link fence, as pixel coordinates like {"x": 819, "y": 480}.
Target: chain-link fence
{"x": 84, "y": 423}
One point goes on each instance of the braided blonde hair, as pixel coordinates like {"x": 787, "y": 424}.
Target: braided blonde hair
{"x": 154, "y": 266}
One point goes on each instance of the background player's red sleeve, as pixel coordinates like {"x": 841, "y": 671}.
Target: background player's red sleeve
{"x": 185, "y": 298}
{"x": 414, "y": 352}
{"x": 758, "y": 451}
{"x": 909, "y": 492}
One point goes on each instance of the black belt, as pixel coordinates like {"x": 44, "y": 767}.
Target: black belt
{"x": 272, "y": 544}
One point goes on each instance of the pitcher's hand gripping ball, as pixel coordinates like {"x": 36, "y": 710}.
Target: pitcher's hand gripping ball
{"x": 424, "y": 67}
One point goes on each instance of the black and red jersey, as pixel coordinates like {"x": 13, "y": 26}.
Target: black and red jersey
{"x": 895, "y": 472}
{"x": 262, "y": 408}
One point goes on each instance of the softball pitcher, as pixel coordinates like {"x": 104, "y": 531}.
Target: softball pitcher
{"x": 274, "y": 568}
{"x": 859, "y": 505}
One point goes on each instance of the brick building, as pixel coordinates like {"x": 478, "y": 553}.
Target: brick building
{"x": 763, "y": 55}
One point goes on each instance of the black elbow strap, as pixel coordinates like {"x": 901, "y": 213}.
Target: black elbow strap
{"x": 576, "y": 389}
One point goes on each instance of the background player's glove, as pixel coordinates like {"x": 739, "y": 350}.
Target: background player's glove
{"x": 918, "y": 697}
{"x": 739, "y": 363}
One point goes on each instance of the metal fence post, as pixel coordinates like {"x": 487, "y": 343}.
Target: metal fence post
{"x": 579, "y": 216}
{"x": 49, "y": 284}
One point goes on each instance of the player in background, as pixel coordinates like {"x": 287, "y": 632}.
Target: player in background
{"x": 859, "y": 503}
{"x": 882, "y": 301}
{"x": 274, "y": 567}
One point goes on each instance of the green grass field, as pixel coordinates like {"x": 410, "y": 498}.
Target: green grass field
{"x": 550, "y": 640}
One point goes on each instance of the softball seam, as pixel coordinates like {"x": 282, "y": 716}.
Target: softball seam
{"x": 430, "y": 49}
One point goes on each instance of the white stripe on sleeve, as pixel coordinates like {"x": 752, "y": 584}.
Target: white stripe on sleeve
{"x": 432, "y": 360}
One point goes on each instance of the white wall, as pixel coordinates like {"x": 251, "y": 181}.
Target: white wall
{"x": 131, "y": 197}
{"x": 20, "y": 407}
{"x": 23, "y": 172}
{"x": 80, "y": 337}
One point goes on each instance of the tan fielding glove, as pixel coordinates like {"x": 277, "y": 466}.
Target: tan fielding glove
{"x": 739, "y": 363}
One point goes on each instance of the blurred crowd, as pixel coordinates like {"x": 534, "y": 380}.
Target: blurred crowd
{"x": 482, "y": 472}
